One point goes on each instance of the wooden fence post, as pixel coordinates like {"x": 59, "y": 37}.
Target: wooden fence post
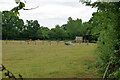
{"x": 49, "y": 42}
{"x": 43, "y": 42}
{"x": 27, "y": 42}
{"x": 106, "y": 70}
{"x": 80, "y": 42}
{"x": 57, "y": 42}
{"x": 35, "y": 42}
{"x": 87, "y": 42}
{"x": 6, "y": 41}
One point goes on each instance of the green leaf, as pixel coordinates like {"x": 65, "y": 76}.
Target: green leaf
{"x": 22, "y": 4}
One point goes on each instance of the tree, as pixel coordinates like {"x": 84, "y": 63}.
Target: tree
{"x": 64, "y": 27}
{"x": 74, "y": 28}
{"x": 57, "y": 33}
{"x": 11, "y": 25}
{"x": 30, "y": 29}
{"x": 42, "y": 33}
{"x": 107, "y": 22}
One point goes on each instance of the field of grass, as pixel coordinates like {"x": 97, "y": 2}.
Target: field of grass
{"x": 50, "y": 61}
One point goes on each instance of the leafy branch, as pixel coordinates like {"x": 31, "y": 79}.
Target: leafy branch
{"x": 9, "y": 74}
{"x": 21, "y": 5}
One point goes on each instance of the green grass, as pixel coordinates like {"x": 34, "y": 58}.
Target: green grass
{"x": 50, "y": 61}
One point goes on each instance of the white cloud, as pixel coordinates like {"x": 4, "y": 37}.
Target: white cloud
{"x": 7, "y": 4}
{"x": 51, "y": 12}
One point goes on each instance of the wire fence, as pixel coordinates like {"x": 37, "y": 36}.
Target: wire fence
{"x": 40, "y": 42}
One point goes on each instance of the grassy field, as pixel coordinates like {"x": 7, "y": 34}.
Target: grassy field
{"x": 50, "y": 61}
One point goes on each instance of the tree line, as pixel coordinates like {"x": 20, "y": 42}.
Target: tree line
{"x": 14, "y": 28}
{"x": 103, "y": 27}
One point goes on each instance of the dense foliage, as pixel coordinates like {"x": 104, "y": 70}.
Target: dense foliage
{"x": 106, "y": 28}
{"x": 14, "y": 28}
{"x": 11, "y": 25}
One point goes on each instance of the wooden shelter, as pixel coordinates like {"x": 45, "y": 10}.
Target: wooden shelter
{"x": 79, "y": 39}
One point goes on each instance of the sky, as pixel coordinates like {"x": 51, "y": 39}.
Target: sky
{"x": 51, "y": 12}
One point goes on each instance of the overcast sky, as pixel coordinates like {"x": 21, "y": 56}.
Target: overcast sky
{"x": 51, "y": 12}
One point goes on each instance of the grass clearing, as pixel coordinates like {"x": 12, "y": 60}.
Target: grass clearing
{"x": 50, "y": 61}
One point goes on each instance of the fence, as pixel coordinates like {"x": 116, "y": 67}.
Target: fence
{"x": 36, "y": 42}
